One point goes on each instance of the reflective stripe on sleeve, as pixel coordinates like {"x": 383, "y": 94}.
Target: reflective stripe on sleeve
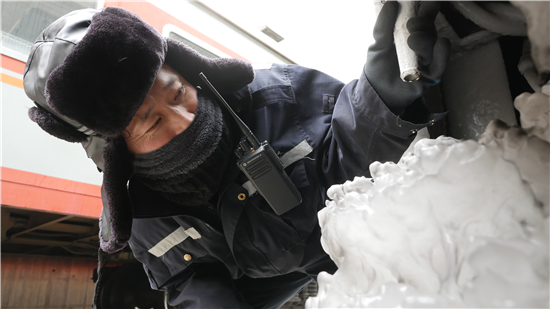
{"x": 174, "y": 239}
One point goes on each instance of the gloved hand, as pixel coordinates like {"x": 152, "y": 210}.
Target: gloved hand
{"x": 382, "y": 68}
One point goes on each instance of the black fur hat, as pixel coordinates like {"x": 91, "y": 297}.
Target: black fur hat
{"x": 94, "y": 68}
{"x": 89, "y": 72}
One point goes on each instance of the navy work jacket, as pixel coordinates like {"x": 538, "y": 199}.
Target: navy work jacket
{"x": 348, "y": 127}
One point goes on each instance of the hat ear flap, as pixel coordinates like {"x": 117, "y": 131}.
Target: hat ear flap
{"x": 117, "y": 208}
{"x": 55, "y": 126}
{"x": 226, "y": 74}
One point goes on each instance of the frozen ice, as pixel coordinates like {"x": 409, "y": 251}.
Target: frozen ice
{"x": 534, "y": 111}
{"x": 538, "y": 28}
{"x": 452, "y": 224}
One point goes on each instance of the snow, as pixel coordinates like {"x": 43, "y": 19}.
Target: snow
{"x": 452, "y": 224}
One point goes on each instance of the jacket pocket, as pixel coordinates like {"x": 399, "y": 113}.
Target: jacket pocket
{"x": 271, "y": 232}
{"x": 273, "y": 94}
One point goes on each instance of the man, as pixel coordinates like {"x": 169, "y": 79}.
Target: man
{"x": 189, "y": 214}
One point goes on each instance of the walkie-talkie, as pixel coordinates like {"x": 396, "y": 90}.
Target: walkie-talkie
{"x": 261, "y": 165}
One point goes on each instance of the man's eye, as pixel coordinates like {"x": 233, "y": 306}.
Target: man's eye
{"x": 180, "y": 92}
{"x": 154, "y": 125}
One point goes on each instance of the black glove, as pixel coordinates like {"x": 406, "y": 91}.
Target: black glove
{"x": 382, "y": 68}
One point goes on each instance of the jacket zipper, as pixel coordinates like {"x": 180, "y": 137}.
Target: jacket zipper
{"x": 214, "y": 230}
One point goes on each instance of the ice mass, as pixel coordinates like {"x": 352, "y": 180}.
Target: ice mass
{"x": 455, "y": 223}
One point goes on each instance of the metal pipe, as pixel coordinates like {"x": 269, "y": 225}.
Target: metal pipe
{"x": 406, "y": 57}
{"x": 501, "y": 18}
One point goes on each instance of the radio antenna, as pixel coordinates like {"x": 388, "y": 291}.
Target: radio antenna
{"x": 244, "y": 128}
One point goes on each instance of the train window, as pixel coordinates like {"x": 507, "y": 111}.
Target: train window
{"x": 22, "y": 22}
{"x": 203, "y": 48}
{"x": 198, "y": 48}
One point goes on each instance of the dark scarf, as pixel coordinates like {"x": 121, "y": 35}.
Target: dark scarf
{"x": 189, "y": 168}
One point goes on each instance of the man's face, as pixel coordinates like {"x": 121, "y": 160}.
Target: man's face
{"x": 168, "y": 110}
